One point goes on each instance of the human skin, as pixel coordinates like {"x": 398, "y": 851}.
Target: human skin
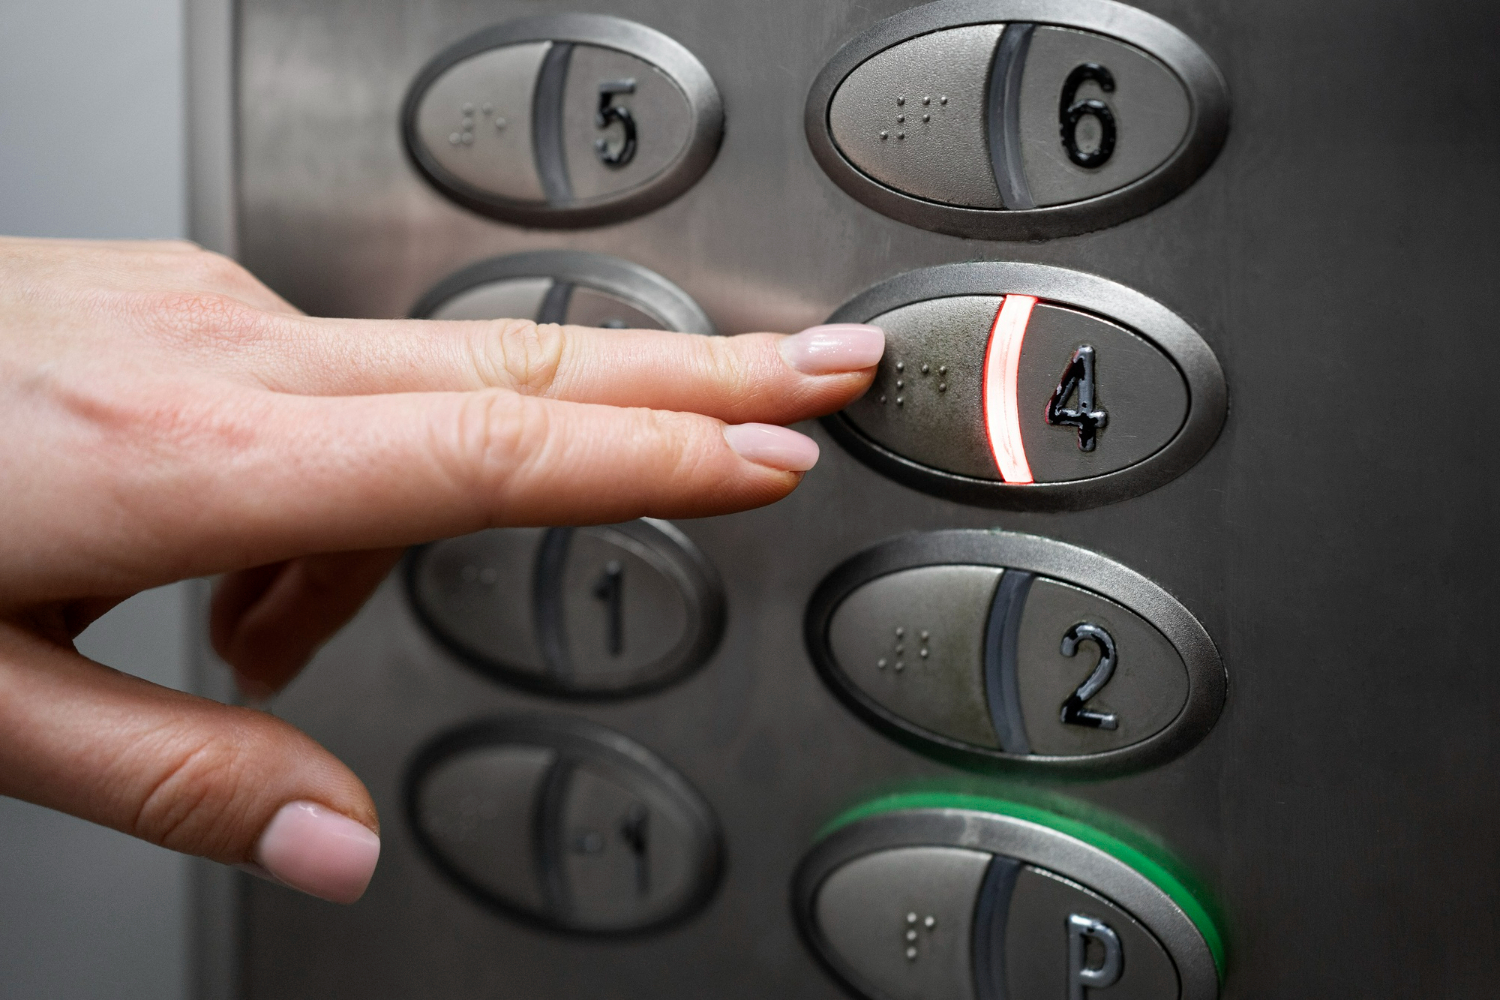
{"x": 167, "y": 416}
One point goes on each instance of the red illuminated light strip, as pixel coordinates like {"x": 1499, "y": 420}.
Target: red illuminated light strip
{"x": 1002, "y": 375}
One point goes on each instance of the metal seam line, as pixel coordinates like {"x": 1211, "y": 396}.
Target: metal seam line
{"x": 547, "y": 124}
{"x": 1003, "y": 115}
{"x": 1002, "y": 374}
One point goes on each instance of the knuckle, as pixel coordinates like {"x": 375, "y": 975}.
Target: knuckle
{"x": 523, "y": 355}
{"x": 729, "y": 369}
{"x": 193, "y": 801}
{"x": 495, "y": 437}
{"x": 193, "y": 318}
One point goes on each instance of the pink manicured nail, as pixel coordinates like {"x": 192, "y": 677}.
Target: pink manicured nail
{"x": 777, "y": 447}
{"x": 838, "y": 347}
{"x": 312, "y": 848}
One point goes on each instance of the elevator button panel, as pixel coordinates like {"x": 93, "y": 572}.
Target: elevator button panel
{"x": 563, "y": 120}
{"x": 565, "y": 286}
{"x": 1029, "y": 386}
{"x": 987, "y": 900}
{"x": 591, "y": 612}
{"x": 988, "y": 646}
{"x": 1018, "y": 119}
{"x": 564, "y": 823}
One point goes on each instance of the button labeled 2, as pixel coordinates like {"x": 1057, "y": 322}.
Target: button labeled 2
{"x": 592, "y": 612}
{"x": 988, "y": 900}
{"x": 1029, "y": 386}
{"x": 996, "y": 646}
{"x": 563, "y": 120}
{"x": 564, "y": 823}
{"x": 1018, "y": 119}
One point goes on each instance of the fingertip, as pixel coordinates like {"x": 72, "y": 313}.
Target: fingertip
{"x": 834, "y": 348}
{"x": 779, "y": 448}
{"x": 313, "y": 849}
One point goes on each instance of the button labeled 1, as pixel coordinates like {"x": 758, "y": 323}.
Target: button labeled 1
{"x": 1017, "y": 121}
{"x": 599, "y": 611}
{"x": 1023, "y": 385}
{"x": 986, "y": 900}
{"x": 563, "y": 120}
{"x": 1009, "y": 647}
{"x": 564, "y": 823}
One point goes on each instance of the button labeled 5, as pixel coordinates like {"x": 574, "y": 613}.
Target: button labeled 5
{"x": 563, "y": 120}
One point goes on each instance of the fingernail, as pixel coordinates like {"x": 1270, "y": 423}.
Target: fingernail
{"x": 777, "y": 447}
{"x": 837, "y": 347}
{"x": 314, "y": 849}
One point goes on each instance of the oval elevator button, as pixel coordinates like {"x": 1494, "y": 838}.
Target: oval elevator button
{"x": 563, "y": 120}
{"x": 994, "y": 646}
{"x": 987, "y": 900}
{"x": 564, "y": 823}
{"x": 1013, "y": 128}
{"x": 1023, "y": 385}
{"x": 598, "y": 611}
{"x": 565, "y": 286}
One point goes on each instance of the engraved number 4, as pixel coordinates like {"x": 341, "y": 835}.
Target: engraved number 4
{"x": 1078, "y": 376}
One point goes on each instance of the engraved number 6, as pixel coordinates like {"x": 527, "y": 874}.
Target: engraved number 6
{"x": 1073, "y": 712}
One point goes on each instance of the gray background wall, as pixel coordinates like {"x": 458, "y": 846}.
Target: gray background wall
{"x": 91, "y": 145}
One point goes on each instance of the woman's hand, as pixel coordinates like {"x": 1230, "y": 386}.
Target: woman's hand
{"x": 167, "y": 416}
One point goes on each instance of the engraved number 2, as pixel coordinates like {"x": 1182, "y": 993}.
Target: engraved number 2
{"x": 609, "y": 113}
{"x": 1073, "y": 711}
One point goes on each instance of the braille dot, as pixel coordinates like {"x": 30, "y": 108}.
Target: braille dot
{"x": 922, "y": 653}
{"x": 900, "y": 135}
{"x": 468, "y": 109}
{"x": 882, "y": 400}
{"x": 468, "y": 138}
{"x": 943, "y": 370}
{"x": 911, "y": 935}
{"x": 911, "y": 918}
{"x": 900, "y": 649}
{"x": 880, "y": 665}
{"x": 900, "y": 119}
{"x": 942, "y": 387}
{"x": 930, "y": 923}
{"x": 455, "y": 138}
{"x": 925, "y": 370}
{"x": 900, "y": 666}
{"x": 900, "y": 383}
{"x": 901, "y": 366}
{"x": 911, "y": 954}
{"x": 926, "y": 100}
{"x": 488, "y": 109}
{"x": 927, "y": 118}
{"x": 900, "y": 632}
{"x": 900, "y": 101}
{"x": 884, "y": 136}
{"x": 925, "y": 634}
{"x": 500, "y": 124}
{"x": 900, "y": 401}
{"x": 943, "y": 99}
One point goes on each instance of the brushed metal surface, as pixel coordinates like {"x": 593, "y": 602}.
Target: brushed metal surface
{"x": 1337, "y": 541}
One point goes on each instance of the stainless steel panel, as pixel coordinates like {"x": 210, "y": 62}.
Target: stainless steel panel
{"x": 1336, "y": 541}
